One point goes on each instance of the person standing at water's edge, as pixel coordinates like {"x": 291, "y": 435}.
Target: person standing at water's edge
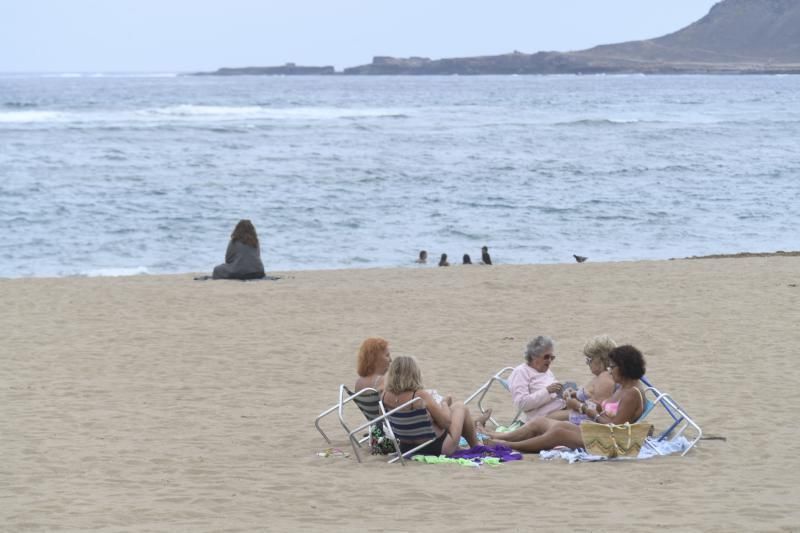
{"x": 243, "y": 256}
{"x": 423, "y": 257}
{"x": 443, "y": 261}
{"x": 486, "y": 259}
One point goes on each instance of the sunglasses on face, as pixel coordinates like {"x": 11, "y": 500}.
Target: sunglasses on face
{"x": 588, "y": 360}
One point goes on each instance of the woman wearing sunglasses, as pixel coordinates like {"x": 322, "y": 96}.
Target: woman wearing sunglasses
{"x": 601, "y": 386}
{"x": 534, "y": 388}
{"x": 626, "y": 366}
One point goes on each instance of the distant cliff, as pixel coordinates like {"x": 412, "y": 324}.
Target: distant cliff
{"x": 289, "y": 69}
{"x": 736, "y": 36}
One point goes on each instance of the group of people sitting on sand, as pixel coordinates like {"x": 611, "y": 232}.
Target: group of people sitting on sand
{"x": 553, "y": 414}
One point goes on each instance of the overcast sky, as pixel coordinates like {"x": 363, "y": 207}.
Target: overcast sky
{"x": 181, "y": 35}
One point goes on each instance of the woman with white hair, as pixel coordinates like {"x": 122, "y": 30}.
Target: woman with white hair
{"x": 534, "y": 388}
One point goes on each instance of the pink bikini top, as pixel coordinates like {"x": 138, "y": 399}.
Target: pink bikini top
{"x": 610, "y": 408}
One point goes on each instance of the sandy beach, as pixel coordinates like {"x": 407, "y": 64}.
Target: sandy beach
{"x": 159, "y": 403}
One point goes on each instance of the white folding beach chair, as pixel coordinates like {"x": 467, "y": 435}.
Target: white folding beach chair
{"x": 500, "y": 377}
{"x": 366, "y": 399}
{"x": 402, "y": 425}
{"x": 678, "y": 422}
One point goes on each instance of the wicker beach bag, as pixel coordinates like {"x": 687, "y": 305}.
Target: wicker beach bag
{"x": 614, "y": 440}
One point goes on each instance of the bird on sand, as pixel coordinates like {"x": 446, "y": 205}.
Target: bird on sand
{"x": 579, "y": 258}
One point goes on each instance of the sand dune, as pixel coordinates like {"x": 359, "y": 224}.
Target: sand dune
{"x": 157, "y": 403}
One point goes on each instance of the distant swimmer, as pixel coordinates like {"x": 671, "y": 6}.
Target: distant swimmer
{"x": 443, "y": 261}
{"x": 579, "y": 258}
{"x": 423, "y": 257}
{"x": 486, "y": 259}
{"x": 466, "y": 260}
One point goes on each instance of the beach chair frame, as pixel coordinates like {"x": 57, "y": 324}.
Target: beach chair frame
{"x": 681, "y": 420}
{"x": 501, "y": 378}
{"x": 346, "y": 396}
{"x": 386, "y": 418}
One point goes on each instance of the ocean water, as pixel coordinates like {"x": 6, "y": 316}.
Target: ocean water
{"x": 124, "y": 174}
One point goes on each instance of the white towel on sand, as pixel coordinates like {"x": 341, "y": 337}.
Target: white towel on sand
{"x": 655, "y": 448}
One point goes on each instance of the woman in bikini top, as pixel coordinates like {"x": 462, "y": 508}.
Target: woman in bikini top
{"x": 451, "y": 419}
{"x": 610, "y": 407}
{"x": 601, "y": 386}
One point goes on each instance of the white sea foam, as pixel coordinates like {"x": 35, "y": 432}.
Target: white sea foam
{"x": 189, "y": 113}
{"x": 261, "y": 112}
{"x": 11, "y": 117}
{"x": 116, "y": 272}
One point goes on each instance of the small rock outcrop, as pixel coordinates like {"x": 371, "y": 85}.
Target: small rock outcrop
{"x": 289, "y": 69}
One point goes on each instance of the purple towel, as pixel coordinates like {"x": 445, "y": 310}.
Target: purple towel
{"x": 497, "y": 450}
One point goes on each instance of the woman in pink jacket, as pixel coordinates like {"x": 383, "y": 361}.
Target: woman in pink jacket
{"x": 534, "y": 388}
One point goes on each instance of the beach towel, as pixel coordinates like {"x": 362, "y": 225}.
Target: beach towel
{"x": 475, "y": 456}
{"x": 652, "y": 449}
{"x": 504, "y": 453}
{"x": 443, "y": 459}
{"x": 265, "y": 278}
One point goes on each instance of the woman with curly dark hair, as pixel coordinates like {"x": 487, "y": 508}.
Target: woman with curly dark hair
{"x": 626, "y": 366}
{"x": 243, "y": 256}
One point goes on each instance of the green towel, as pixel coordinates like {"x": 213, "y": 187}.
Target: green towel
{"x": 443, "y": 459}
{"x": 506, "y": 429}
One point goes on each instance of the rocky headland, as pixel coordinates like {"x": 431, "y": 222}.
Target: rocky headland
{"x": 735, "y": 37}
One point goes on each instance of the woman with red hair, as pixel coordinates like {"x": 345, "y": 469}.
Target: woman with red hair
{"x": 373, "y": 362}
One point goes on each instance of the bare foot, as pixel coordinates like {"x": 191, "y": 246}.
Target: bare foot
{"x": 492, "y": 442}
{"x": 480, "y": 421}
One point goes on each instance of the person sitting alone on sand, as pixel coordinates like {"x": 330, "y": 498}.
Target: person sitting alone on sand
{"x": 423, "y": 257}
{"x": 601, "y": 386}
{"x": 627, "y": 366}
{"x": 443, "y": 261}
{"x": 243, "y": 256}
{"x": 451, "y": 419}
{"x": 533, "y": 386}
{"x": 466, "y": 260}
{"x": 373, "y": 362}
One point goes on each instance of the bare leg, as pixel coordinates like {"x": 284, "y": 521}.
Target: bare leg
{"x": 469, "y": 429}
{"x": 559, "y": 434}
{"x": 459, "y": 416}
{"x": 532, "y": 428}
{"x": 561, "y": 414}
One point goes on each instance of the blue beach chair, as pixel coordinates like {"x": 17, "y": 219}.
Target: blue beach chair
{"x": 678, "y": 422}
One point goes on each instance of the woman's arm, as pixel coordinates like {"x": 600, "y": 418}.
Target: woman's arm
{"x": 626, "y": 412}
{"x": 523, "y": 397}
{"x": 440, "y": 412}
